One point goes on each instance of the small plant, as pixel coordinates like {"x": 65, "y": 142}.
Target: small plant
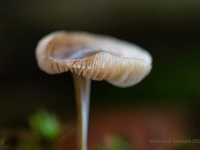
{"x": 45, "y": 125}
{"x": 114, "y": 143}
{"x": 45, "y": 129}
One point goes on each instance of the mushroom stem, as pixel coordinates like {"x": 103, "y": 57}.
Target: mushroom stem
{"x": 82, "y": 89}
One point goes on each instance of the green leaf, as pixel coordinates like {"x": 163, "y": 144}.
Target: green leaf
{"x": 119, "y": 144}
{"x": 114, "y": 143}
{"x": 45, "y": 125}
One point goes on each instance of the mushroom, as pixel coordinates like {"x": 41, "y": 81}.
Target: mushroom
{"x": 90, "y": 56}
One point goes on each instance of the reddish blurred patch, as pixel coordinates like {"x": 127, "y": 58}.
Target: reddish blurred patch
{"x": 137, "y": 125}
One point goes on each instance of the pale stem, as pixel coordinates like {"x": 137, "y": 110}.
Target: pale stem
{"x": 82, "y": 89}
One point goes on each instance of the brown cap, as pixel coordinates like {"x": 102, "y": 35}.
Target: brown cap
{"x": 93, "y": 56}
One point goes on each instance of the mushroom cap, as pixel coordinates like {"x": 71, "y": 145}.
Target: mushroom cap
{"x": 94, "y": 56}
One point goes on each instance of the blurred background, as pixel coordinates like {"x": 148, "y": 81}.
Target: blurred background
{"x": 169, "y": 30}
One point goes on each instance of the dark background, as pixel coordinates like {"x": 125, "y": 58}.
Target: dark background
{"x": 169, "y": 30}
